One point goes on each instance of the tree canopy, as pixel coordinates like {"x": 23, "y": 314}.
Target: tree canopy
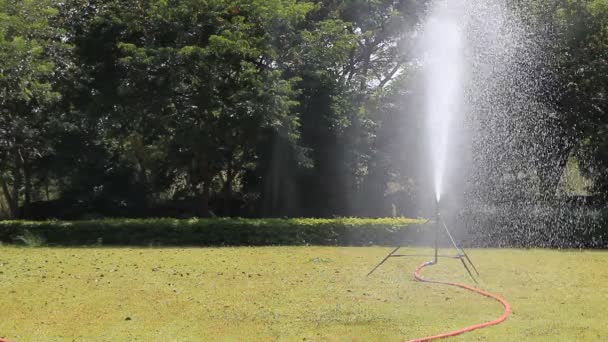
{"x": 248, "y": 108}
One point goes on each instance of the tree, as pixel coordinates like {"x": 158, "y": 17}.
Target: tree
{"x": 32, "y": 55}
{"x": 351, "y": 56}
{"x": 206, "y": 75}
{"x": 583, "y": 72}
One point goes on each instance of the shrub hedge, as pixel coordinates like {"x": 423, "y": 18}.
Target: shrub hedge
{"x": 215, "y": 232}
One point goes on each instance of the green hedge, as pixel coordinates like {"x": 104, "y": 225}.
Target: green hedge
{"x": 215, "y": 232}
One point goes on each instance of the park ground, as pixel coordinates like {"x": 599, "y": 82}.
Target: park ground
{"x": 293, "y": 294}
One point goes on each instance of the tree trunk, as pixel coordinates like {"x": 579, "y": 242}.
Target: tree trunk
{"x": 46, "y": 189}
{"x": 18, "y": 176}
{"x": 144, "y": 179}
{"x": 12, "y": 195}
{"x": 205, "y": 196}
{"x": 206, "y": 176}
{"x": 228, "y": 190}
{"x": 28, "y": 188}
{"x": 366, "y": 63}
{"x": 7, "y": 196}
{"x": 551, "y": 172}
{"x": 16, "y": 186}
{"x": 3, "y": 208}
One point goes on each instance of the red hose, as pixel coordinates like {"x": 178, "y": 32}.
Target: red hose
{"x": 499, "y": 320}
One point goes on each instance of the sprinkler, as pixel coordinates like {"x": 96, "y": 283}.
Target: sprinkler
{"x": 466, "y": 263}
{"x": 438, "y": 226}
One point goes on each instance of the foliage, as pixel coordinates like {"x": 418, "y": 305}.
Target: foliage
{"x": 214, "y": 232}
{"x": 252, "y": 108}
{"x": 32, "y": 61}
{"x": 583, "y": 53}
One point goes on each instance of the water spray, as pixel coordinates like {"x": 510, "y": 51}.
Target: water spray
{"x": 443, "y": 40}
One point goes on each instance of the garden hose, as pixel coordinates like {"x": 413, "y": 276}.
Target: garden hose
{"x": 498, "y": 320}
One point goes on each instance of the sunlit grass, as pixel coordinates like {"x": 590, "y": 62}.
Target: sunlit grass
{"x": 292, "y": 293}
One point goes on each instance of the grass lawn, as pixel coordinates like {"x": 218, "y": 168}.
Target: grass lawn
{"x": 292, "y": 294}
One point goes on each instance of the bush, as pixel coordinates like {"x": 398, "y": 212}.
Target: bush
{"x": 215, "y": 232}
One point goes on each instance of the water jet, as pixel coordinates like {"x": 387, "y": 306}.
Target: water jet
{"x": 443, "y": 42}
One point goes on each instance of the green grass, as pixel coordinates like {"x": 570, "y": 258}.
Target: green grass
{"x": 292, "y": 294}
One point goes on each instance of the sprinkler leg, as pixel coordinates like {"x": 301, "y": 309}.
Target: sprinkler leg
{"x": 469, "y": 260}
{"x": 383, "y": 260}
{"x": 468, "y": 270}
{"x": 436, "y": 243}
{"x": 437, "y": 227}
